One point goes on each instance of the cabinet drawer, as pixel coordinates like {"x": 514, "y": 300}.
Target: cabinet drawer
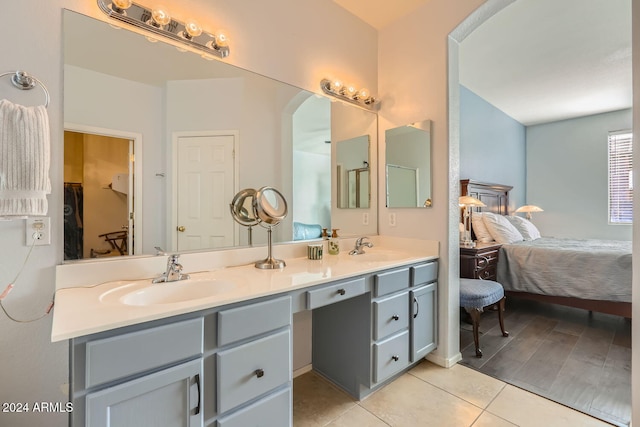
{"x": 487, "y": 273}
{"x": 272, "y": 411}
{"x": 252, "y": 369}
{"x": 390, "y": 356}
{"x": 335, "y": 293}
{"x": 244, "y": 322}
{"x": 424, "y": 273}
{"x": 391, "y": 281}
{"x": 116, "y": 357}
{"x": 390, "y": 315}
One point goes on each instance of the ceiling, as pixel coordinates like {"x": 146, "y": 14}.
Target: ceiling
{"x": 539, "y": 60}
{"x": 380, "y": 13}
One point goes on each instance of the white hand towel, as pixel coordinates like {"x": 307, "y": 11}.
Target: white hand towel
{"x": 24, "y": 159}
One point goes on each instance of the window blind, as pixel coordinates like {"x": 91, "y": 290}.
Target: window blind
{"x": 620, "y": 178}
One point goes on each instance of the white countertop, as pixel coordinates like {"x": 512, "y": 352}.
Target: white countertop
{"x": 90, "y": 308}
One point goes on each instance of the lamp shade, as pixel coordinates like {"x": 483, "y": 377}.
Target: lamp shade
{"x": 529, "y": 208}
{"x": 470, "y": 201}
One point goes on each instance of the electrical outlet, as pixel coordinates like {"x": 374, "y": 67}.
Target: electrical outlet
{"x": 392, "y": 219}
{"x": 38, "y": 229}
{"x": 365, "y": 218}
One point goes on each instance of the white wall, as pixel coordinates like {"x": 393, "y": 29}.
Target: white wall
{"x": 567, "y": 176}
{"x": 300, "y": 50}
{"x": 413, "y": 87}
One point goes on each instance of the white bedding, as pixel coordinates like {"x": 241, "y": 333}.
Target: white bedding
{"x": 586, "y": 269}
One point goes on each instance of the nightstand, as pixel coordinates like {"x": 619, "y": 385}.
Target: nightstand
{"x": 480, "y": 262}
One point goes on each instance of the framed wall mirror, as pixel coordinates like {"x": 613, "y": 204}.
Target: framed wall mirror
{"x": 408, "y": 166}
{"x": 191, "y": 133}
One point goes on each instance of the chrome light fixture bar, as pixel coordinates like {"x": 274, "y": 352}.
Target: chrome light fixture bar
{"x": 349, "y": 93}
{"x": 159, "y": 22}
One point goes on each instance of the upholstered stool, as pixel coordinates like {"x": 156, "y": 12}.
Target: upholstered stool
{"x": 475, "y": 295}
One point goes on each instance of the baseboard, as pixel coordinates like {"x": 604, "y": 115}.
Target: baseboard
{"x": 442, "y": 361}
{"x": 302, "y": 370}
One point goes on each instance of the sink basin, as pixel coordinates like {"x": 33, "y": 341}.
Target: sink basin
{"x": 143, "y": 294}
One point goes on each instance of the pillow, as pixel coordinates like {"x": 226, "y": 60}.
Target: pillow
{"x": 482, "y": 234}
{"x": 525, "y": 227}
{"x": 501, "y": 229}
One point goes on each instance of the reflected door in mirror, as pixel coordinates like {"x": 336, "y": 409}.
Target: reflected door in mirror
{"x": 408, "y": 165}
{"x": 205, "y": 184}
{"x": 353, "y": 172}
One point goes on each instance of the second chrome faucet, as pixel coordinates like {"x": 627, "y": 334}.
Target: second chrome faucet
{"x": 360, "y": 244}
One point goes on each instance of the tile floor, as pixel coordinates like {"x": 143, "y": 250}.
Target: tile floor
{"x": 429, "y": 395}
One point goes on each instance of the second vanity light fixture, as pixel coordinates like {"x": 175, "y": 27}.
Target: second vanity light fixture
{"x": 158, "y": 21}
{"x": 349, "y": 93}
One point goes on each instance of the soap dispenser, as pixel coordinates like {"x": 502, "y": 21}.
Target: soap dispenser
{"x": 334, "y": 243}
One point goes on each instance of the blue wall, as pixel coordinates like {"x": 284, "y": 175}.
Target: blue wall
{"x": 567, "y": 175}
{"x": 492, "y": 146}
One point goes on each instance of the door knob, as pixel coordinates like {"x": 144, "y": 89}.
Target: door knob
{"x": 181, "y": 228}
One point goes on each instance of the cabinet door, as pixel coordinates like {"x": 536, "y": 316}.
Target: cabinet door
{"x": 168, "y": 398}
{"x": 423, "y": 320}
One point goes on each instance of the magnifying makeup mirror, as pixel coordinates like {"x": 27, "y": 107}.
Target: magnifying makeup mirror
{"x": 242, "y": 210}
{"x": 270, "y": 207}
{"x": 266, "y": 207}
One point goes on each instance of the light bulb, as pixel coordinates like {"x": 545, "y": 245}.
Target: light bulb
{"x": 192, "y": 28}
{"x": 363, "y": 93}
{"x": 160, "y": 16}
{"x": 120, "y": 5}
{"x": 336, "y": 86}
{"x": 350, "y": 90}
{"x": 221, "y": 38}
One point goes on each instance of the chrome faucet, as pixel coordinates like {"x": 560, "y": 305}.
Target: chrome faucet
{"x": 360, "y": 243}
{"x": 174, "y": 271}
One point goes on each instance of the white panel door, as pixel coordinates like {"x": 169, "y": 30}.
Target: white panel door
{"x": 205, "y": 187}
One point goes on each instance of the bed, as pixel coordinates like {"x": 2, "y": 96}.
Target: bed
{"x": 590, "y": 274}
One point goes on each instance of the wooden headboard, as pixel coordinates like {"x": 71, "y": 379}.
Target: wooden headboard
{"x": 495, "y": 196}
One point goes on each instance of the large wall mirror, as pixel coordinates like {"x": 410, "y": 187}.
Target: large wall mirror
{"x": 408, "y": 165}
{"x": 158, "y": 141}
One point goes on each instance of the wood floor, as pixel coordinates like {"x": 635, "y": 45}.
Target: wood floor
{"x": 571, "y": 356}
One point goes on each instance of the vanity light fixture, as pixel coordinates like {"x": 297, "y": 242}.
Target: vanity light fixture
{"x": 349, "y": 93}
{"x": 158, "y": 21}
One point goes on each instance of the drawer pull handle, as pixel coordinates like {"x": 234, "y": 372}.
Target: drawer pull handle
{"x": 341, "y": 292}
{"x": 259, "y": 373}
{"x": 415, "y": 301}
{"x": 395, "y": 317}
{"x": 197, "y": 411}
{"x": 395, "y": 358}
{"x": 483, "y": 261}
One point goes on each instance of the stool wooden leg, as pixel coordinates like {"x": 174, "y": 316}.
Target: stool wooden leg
{"x": 475, "y": 320}
{"x": 501, "y": 316}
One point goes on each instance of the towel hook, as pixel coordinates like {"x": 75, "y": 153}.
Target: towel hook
{"x": 24, "y": 81}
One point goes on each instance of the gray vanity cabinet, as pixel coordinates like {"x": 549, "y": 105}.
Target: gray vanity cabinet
{"x": 362, "y": 342}
{"x": 140, "y": 376}
{"x": 168, "y": 398}
{"x": 253, "y": 364}
{"x": 225, "y": 367}
{"x": 424, "y": 312}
